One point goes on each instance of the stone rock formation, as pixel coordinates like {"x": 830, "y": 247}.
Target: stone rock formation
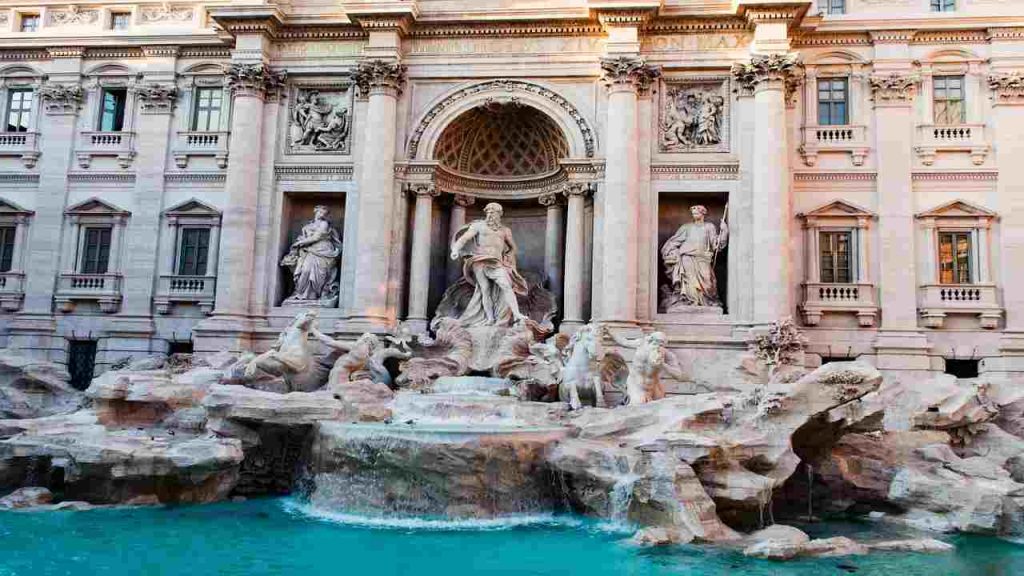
{"x": 32, "y": 389}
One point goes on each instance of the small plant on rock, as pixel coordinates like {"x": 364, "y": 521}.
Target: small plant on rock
{"x": 781, "y": 345}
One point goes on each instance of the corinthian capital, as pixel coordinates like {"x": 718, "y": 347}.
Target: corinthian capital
{"x": 894, "y": 88}
{"x": 765, "y": 68}
{"x": 628, "y": 73}
{"x": 254, "y": 80}
{"x": 156, "y": 98}
{"x": 578, "y": 189}
{"x": 1007, "y": 87}
{"x": 61, "y": 98}
{"x": 384, "y": 76}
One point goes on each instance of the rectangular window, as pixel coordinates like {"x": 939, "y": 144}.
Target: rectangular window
{"x": 6, "y": 248}
{"x": 120, "y": 20}
{"x": 95, "y": 250}
{"x": 29, "y": 22}
{"x": 949, "y": 100}
{"x": 112, "y": 109}
{"x": 81, "y": 362}
{"x": 943, "y": 5}
{"x": 208, "y": 106}
{"x": 832, "y": 98}
{"x": 954, "y": 257}
{"x": 836, "y": 263}
{"x": 19, "y": 109}
{"x": 194, "y": 251}
{"x": 835, "y": 6}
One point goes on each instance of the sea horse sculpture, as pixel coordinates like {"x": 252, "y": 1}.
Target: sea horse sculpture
{"x": 588, "y": 369}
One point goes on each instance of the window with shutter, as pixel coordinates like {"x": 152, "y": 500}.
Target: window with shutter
{"x": 95, "y": 250}
{"x": 193, "y": 251}
{"x": 6, "y": 247}
{"x": 836, "y": 264}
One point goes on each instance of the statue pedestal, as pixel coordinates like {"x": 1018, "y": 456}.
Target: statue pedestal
{"x": 486, "y": 345}
{"x": 699, "y": 310}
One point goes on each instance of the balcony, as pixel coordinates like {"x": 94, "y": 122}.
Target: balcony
{"x": 939, "y": 300}
{"x": 851, "y": 139}
{"x": 198, "y": 290}
{"x": 821, "y": 298}
{"x": 118, "y": 144}
{"x": 12, "y": 290}
{"x": 201, "y": 144}
{"x": 969, "y": 138}
{"x": 104, "y": 289}
{"x": 22, "y": 144}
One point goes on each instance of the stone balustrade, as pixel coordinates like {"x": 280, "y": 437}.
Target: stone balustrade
{"x": 851, "y": 139}
{"x": 821, "y": 298}
{"x": 119, "y": 144}
{"x": 936, "y": 301}
{"x": 201, "y": 144}
{"x": 198, "y": 290}
{"x": 970, "y": 138}
{"x": 104, "y": 289}
{"x": 12, "y": 290}
{"x": 23, "y": 144}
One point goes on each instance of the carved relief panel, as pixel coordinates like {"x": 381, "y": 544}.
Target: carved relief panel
{"x": 320, "y": 120}
{"x": 694, "y": 115}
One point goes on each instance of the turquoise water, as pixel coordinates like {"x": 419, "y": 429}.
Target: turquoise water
{"x": 277, "y": 537}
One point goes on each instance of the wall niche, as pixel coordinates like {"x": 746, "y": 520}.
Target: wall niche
{"x": 675, "y": 212}
{"x": 297, "y": 212}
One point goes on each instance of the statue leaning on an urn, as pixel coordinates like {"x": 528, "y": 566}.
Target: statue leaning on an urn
{"x": 313, "y": 261}
{"x": 689, "y": 257}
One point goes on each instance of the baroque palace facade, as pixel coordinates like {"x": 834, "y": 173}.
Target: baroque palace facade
{"x": 860, "y": 164}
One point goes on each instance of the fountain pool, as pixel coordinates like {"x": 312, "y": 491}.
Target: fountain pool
{"x": 285, "y": 536}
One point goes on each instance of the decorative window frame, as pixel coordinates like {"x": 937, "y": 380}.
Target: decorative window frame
{"x": 75, "y": 286}
{"x": 173, "y": 288}
{"x": 851, "y": 138}
{"x": 22, "y": 144}
{"x": 12, "y": 282}
{"x": 971, "y": 136}
{"x": 188, "y": 142}
{"x": 93, "y": 142}
{"x": 937, "y": 300}
{"x": 857, "y": 297}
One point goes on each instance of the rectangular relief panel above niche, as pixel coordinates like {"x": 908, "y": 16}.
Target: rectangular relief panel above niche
{"x": 320, "y": 119}
{"x": 694, "y": 115}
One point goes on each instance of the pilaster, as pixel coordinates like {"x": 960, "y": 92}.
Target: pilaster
{"x": 419, "y": 274}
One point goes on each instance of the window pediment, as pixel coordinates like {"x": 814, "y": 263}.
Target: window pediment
{"x": 8, "y": 208}
{"x": 959, "y": 212}
{"x": 192, "y": 207}
{"x": 96, "y": 207}
{"x": 838, "y": 213}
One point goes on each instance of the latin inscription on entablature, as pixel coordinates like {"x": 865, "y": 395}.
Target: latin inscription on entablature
{"x": 317, "y": 49}
{"x": 694, "y": 42}
{"x": 582, "y": 44}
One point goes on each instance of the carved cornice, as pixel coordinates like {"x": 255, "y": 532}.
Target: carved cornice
{"x": 774, "y": 13}
{"x": 730, "y": 171}
{"x": 951, "y": 37}
{"x": 764, "y": 68}
{"x": 503, "y": 29}
{"x": 628, "y": 73}
{"x": 326, "y": 32}
{"x": 161, "y": 51}
{"x": 696, "y": 25}
{"x": 504, "y": 189}
{"x": 108, "y": 177}
{"x": 634, "y": 18}
{"x": 379, "y": 77}
{"x": 193, "y": 177}
{"x": 65, "y": 51}
{"x": 1006, "y": 34}
{"x": 832, "y": 39}
{"x": 975, "y": 176}
{"x": 892, "y": 36}
{"x": 156, "y": 98}
{"x": 835, "y": 176}
{"x": 26, "y": 54}
{"x": 204, "y": 52}
{"x": 315, "y": 172}
{"x": 399, "y": 22}
{"x": 61, "y": 98}
{"x": 237, "y": 20}
{"x": 894, "y": 88}
{"x": 18, "y": 178}
{"x": 1007, "y": 87}
{"x": 111, "y": 53}
{"x": 254, "y": 80}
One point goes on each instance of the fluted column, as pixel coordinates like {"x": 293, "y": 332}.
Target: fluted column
{"x": 457, "y": 219}
{"x": 767, "y": 76}
{"x": 624, "y": 76}
{"x": 249, "y": 85}
{"x": 575, "y": 256}
{"x": 383, "y": 81}
{"x": 553, "y": 245}
{"x": 419, "y": 274}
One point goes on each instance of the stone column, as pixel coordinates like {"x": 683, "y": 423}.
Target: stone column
{"x": 553, "y": 243}
{"x": 457, "y": 219}
{"x": 624, "y": 76}
{"x": 383, "y": 81}
{"x": 419, "y": 273}
{"x": 900, "y": 345}
{"x": 862, "y": 253}
{"x": 1007, "y": 88}
{"x": 813, "y": 255}
{"x": 575, "y": 257}
{"x": 767, "y": 75}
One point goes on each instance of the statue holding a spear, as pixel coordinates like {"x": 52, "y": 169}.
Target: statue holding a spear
{"x": 690, "y": 256}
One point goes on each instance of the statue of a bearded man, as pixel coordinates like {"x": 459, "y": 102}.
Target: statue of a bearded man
{"x": 689, "y": 257}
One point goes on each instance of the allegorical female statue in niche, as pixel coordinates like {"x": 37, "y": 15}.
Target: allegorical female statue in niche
{"x": 313, "y": 260}
{"x": 689, "y": 257}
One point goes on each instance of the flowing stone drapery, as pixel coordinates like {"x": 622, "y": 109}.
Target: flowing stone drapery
{"x": 624, "y": 76}
{"x": 250, "y": 85}
{"x": 419, "y": 275}
{"x": 553, "y": 245}
{"x": 314, "y": 261}
{"x": 382, "y": 81}
{"x": 766, "y": 76}
{"x": 575, "y": 258}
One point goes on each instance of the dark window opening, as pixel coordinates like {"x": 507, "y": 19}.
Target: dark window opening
{"x": 833, "y": 94}
{"x": 954, "y": 258}
{"x": 112, "y": 112}
{"x": 81, "y": 362}
{"x": 207, "y": 111}
{"x": 120, "y": 20}
{"x": 6, "y": 248}
{"x": 184, "y": 347}
{"x": 95, "y": 251}
{"x": 194, "y": 251}
{"x": 19, "y": 109}
{"x": 962, "y": 368}
{"x": 830, "y": 359}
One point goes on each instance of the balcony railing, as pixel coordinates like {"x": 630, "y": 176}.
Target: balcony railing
{"x": 201, "y": 144}
{"x": 825, "y": 298}
{"x": 851, "y": 139}
{"x": 119, "y": 144}
{"x": 936, "y": 301}
{"x": 12, "y": 290}
{"x": 104, "y": 289}
{"x": 198, "y": 290}
{"x": 23, "y": 144}
{"x": 970, "y": 138}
